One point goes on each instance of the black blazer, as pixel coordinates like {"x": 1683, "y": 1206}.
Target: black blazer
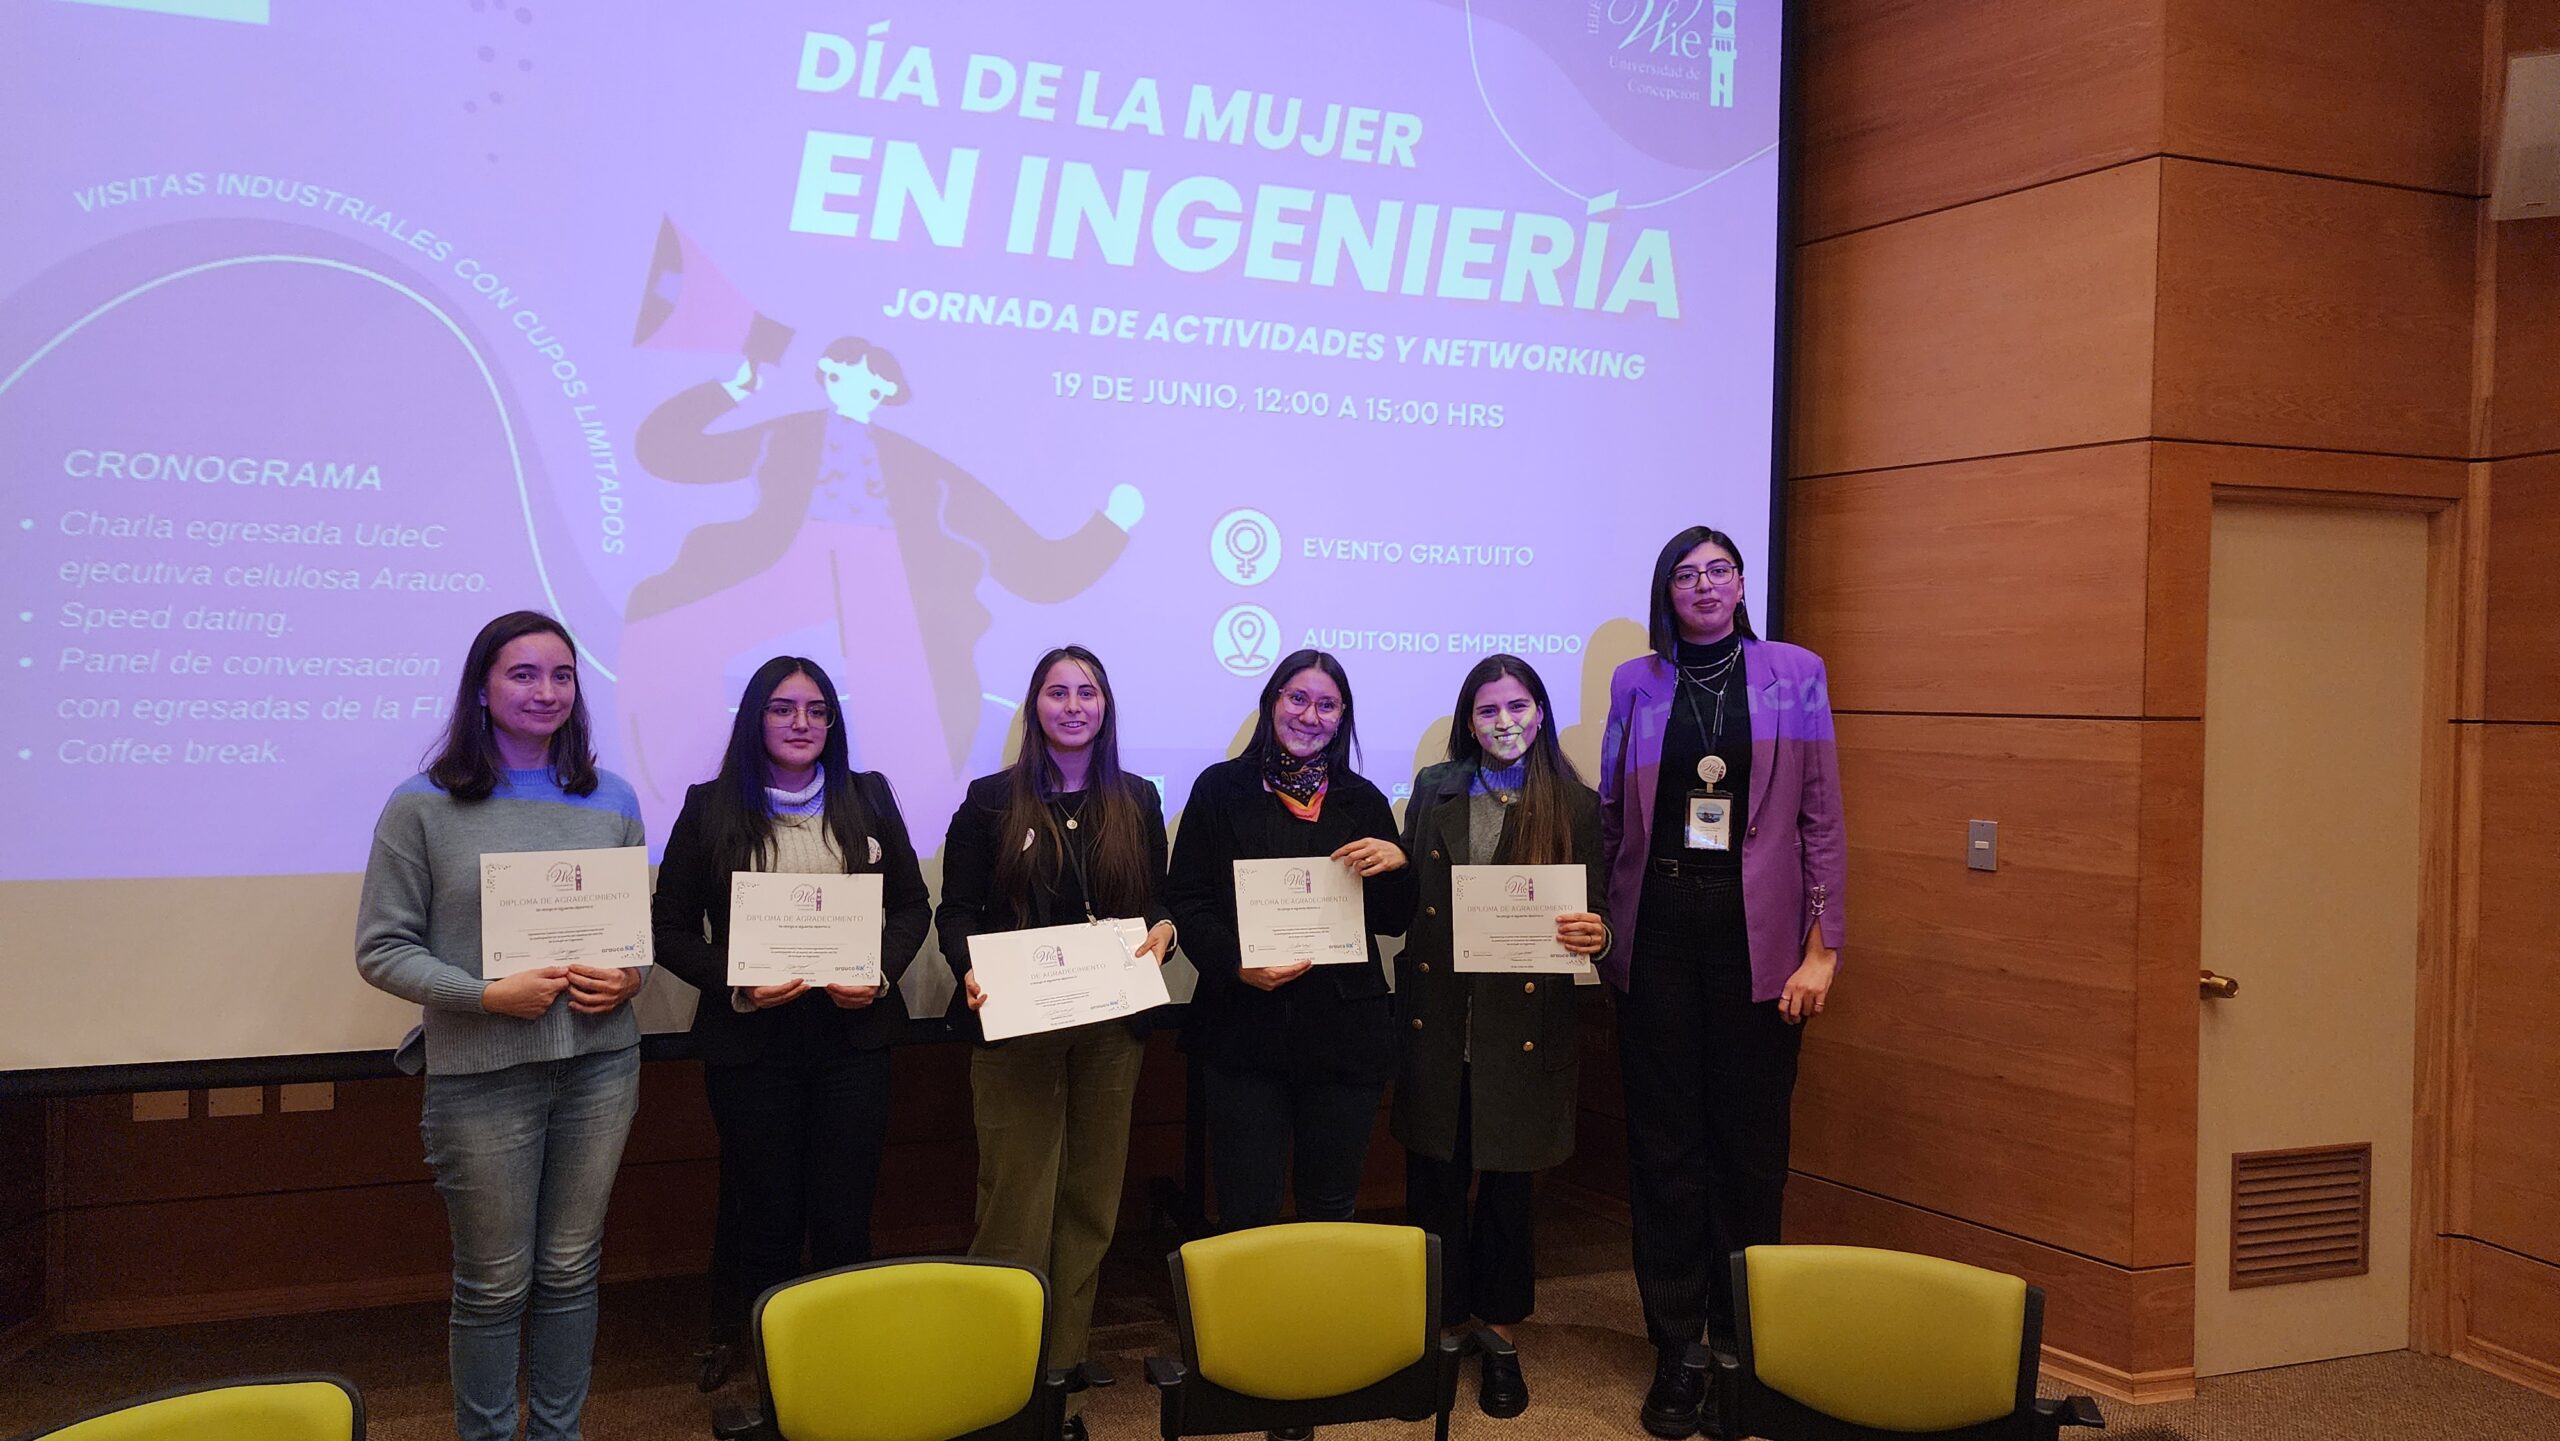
{"x": 690, "y": 892}
{"x": 1331, "y": 1024}
{"x": 970, "y": 904}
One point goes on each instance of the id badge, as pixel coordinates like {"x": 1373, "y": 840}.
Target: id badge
{"x": 1710, "y": 823}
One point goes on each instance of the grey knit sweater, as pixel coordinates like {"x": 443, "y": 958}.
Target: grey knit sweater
{"x": 418, "y": 925}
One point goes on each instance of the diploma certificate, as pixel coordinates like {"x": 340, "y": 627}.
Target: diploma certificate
{"x": 1302, "y": 909}
{"x": 563, "y": 908}
{"x": 1503, "y": 918}
{"x": 1053, "y": 977}
{"x": 823, "y": 929}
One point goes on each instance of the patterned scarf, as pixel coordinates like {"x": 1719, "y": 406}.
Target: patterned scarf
{"x": 1300, "y": 784}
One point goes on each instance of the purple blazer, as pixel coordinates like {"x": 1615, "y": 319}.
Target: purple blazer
{"x": 1795, "y": 851}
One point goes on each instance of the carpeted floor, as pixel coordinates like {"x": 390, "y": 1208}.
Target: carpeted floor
{"x": 1585, "y": 1357}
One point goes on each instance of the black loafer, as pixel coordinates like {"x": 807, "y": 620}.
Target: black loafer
{"x": 714, "y": 1362}
{"x": 1671, "y": 1405}
{"x": 1073, "y": 1430}
{"x": 1501, "y": 1390}
{"x": 1290, "y": 1433}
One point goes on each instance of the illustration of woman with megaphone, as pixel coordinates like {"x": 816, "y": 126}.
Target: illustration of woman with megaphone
{"x": 869, "y": 539}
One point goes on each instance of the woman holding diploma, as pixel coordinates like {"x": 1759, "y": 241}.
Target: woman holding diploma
{"x": 1063, "y": 835}
{"x": 1296, "y": 1055}
{"x": 1492, "y": 1064}
{"x": 531, "y": 1078}
{"x": 797, "y": 1071}
{"x": 1720, "y": 815}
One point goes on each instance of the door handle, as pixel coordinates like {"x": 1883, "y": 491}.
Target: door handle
{"x": 2217, "y": 988}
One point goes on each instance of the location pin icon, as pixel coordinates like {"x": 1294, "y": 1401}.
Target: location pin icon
{"x": 1246, "y": 631}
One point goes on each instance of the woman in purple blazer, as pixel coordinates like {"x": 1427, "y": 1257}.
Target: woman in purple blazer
{"x": 1720, "y": 826}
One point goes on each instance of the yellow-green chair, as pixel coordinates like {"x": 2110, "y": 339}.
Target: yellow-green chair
{"x": 1316, "y": 1323}
{"x": 1843, "y": 1343}
{"x": 257, "y": 1408}
{"x": 925, "y": 1349}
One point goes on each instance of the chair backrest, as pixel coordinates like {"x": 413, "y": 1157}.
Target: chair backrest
{"x": 1885, "y": 1339}
{"x": 264, "y": 1408}
{"x": 902, "y": 1350}
{"x": 1309, "y": 1309}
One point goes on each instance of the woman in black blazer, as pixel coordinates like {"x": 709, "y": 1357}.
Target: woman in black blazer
{"x": 1295, "y": 1057}
{"x": 1490, "y": 1080}
{"x": 798, "y": 1076}
{"x": 1062, "y": 835}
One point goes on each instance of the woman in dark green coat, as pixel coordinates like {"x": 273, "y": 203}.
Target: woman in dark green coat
{"x": 1486, "y": 1093}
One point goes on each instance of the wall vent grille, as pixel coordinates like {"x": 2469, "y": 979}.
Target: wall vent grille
{"x": 2301, "y": 1215}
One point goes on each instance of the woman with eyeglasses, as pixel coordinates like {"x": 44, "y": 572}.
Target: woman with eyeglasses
{"x": 797, "y": 1075}
{"x": 1492, "y": 1061}
{"x": 1721, "y": 824}
{"x": 1296, "y": 1057}
{"x": 531, "y": 1079}
{"x": 1062, "y": 835}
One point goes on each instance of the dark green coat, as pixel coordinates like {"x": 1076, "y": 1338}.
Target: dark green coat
{"x": 1525, "y": 1029}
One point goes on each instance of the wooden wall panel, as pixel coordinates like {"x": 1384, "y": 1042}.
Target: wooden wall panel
{"x": 2131, "y": 1323}
{"x": 2010, "y": 586}
{"x": 1912, "y": 106}
{"x": 2524, "y": 396}
{"x": 2510, "y": 1315}
{"x": 2521, "y": 670}
{"x": 2168, "y": 949}
{"x": 2515, "y": 1157}
{"x": 2020, "y": 323}
{"x": 2302, "y": 312}
{"x": 2378, "y": 90}
{"x": 1978, "y": 1059}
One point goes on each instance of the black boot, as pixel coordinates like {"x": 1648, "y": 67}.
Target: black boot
{"x": 1671, "y": 1405}
{"x": 1501, "y": 1390}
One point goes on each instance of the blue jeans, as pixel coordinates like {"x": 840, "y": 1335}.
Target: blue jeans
{"x": 525, "y": 1159}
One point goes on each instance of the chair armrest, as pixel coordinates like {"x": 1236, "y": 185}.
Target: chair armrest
{"x": 1065, "y": 1380}
{"x": 741, "y": 1423}
{"x": 1163, "y": 1372}
{"x": 1485, "y": 1340}
{"x": 1096, "y": 1375}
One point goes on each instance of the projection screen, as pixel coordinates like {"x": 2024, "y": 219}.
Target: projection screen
{"x": 1407, "y": 329}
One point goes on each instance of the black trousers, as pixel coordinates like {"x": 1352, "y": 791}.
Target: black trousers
{"x": 1488, "y": 1259}
{"x": 1267, "y": 1130}
{"x": 799, "y": 1161}
{"x": 1710, "y": 1076}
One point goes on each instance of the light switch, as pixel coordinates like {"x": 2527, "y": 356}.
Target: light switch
{"x": 1982, "y": 846}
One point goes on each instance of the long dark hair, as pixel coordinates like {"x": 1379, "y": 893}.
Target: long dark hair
{"x": 1665, "y": 626}
{"x": 1265, "y": 748}
{"x": 1116, "y": 864}
{"x": 1541, "y": 830}
{"x": 464, "y": 763}
{"x": 737, "y": 818}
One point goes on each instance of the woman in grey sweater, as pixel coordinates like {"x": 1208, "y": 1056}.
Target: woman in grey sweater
{"x": 531, "y": 1079}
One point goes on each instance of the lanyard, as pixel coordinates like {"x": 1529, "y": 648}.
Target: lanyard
{"x": 1068, "y": 832}
{"x": 1723, "y": 675}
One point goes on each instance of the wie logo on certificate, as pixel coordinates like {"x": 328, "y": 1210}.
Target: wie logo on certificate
{"x": 782, "y": 928}
{"x": 1299, "y": 910}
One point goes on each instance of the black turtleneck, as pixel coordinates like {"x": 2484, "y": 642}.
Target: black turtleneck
{"x": 1684, "y": 743}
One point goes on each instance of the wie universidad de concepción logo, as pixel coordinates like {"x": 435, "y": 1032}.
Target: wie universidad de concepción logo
{"x": 807, "y": 897}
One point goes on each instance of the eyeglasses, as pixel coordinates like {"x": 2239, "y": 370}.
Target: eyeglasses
{"x": 783, "y": 713}
{"x": 1714, "y": 572}
{"x": 1301, "y": 702}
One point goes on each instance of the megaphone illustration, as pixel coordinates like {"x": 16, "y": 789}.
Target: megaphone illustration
{"x": 689, "y": 305}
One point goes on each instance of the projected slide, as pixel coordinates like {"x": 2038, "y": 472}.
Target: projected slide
{"x": 913, "y": 337}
